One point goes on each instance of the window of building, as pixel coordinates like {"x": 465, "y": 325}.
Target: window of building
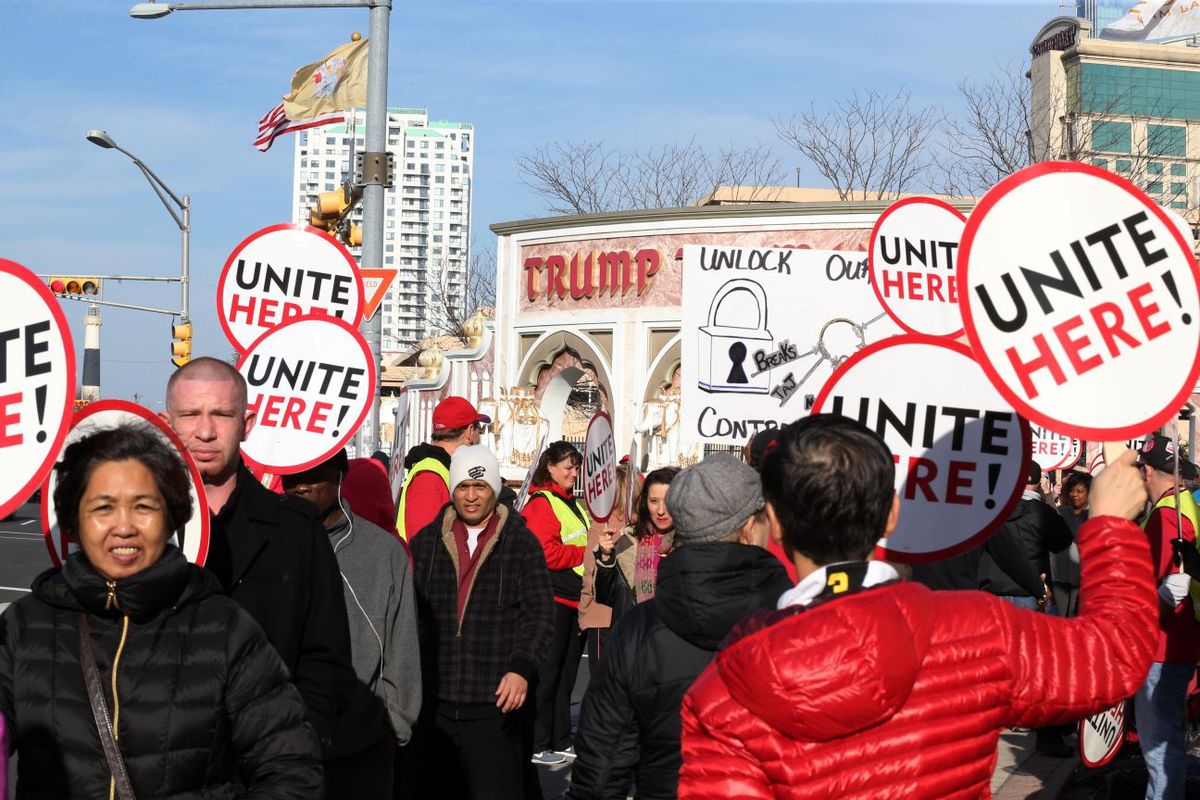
{"x": 1154, "y": 168}
{"x": 1111, "y": 137}
{"x": 330, "y": 140}
{"x": 1126, "y": 91}
{"x": 1178, "y": 188}
{"x": 424, "y": 144}
{"x": 1154, "y": 187}
{"x": 1178, "y": 204}
{"x": 1123, "y": 165}
{"x": 1166, "y": 140}
{"x": 1179, "y": 170}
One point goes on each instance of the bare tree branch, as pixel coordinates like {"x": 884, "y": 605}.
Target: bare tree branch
{"x": 454, "y": 297}
{"x": 868, "y": 146}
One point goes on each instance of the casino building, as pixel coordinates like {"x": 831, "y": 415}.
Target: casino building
{"x": 588, "y": 317}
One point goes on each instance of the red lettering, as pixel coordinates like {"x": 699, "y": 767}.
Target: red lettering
{"x": 959, "y": 478}
{"x": 556, "y": 268}
{"x": 320, "y": 415}
{"x": 1074, "y": 347}
{"x": 266, "y": 311}
{"x": 1044, "y": 360}
{"x": 890, "y": 283}
{"x": 236, "y": 308}
{"x": 1111, "y": 330}
{"x": 648, "y": 262}
{"x": 291, "y": 310}
{"x": 921, "y": 472}
{"x": 952, "y": 282}
{"x": 914, "y": 286}
{"x": 935, "y": 287}
{"x": 1144, "y": 310}
{"x": 532, "y": 266}
{"x": 291, "y": 414}
{"x": 270, "y": 409}
{"x": 10, "y": 417}
{"x": 580, "y": 290}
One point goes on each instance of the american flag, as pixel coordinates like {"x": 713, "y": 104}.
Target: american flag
{"x": 275, "y": 122}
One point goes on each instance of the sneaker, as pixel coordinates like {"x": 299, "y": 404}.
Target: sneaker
{"x": 569, "y": 753}
{"x": 548, "y": 758}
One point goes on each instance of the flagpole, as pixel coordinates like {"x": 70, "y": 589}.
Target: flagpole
{"x": 376, "y": 145}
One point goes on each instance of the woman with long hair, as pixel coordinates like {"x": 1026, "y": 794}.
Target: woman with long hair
{"x": 561, "y": 524}
{"x": 595, "y": 617}
{"x": 627, "y": 563}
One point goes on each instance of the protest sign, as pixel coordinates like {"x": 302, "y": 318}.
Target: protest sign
{"x": 1076, "y": 286}
{"x": 523, "y": 494}
{"x": 632, "y": 475}
{"x": 913, "y": 251}
{"x": 1101, "y": 736}
{"x": 1053, "y": 450}
{"x": 961, "y": 452}
{"x": 103, "y": 415}
{"x": 600, "y": 467}
{"x": 283, "y": 272}
{"x": 311, "y": 382}
{"x": 37, "y": 382}
{"x": 763, "y": 329}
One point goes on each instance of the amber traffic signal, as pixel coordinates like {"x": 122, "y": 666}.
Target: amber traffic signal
{"x": 74, "y": 284}
{"x": 181, "y": 347}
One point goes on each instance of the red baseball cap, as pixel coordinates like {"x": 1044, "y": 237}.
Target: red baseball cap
{"x": 456, "y": 412}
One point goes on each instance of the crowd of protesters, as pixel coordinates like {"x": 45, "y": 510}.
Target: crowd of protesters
{"x": 741, "y": 639}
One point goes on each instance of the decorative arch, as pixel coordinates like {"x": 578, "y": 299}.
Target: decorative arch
{"x": 664, "y": 369}
{"x": 555, "y": 364}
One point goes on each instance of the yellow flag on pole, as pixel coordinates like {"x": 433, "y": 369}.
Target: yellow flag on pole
{"x": 338, "y": 81}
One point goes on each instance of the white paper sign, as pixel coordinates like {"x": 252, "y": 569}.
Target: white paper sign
{"x": 106, "y": 414}
{"x": 763, "y": 329}
{"x": 1076, "y": 289}
{"x": 283, "y": 272}
{"x": 37, "y": 383}
{"x": 600, "y": 468}
{"x": 913, "y": 253}
{"x": 1101, "y": 736}
{"x": 961, "y": 451}
{"x": 311, "y": 382}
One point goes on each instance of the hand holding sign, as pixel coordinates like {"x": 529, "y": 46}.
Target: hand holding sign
{"x": 283, "y": 272}
{"x": 1076, "y": 286}
{"x": 311, "y": 383}
{"x": 961, "y": 452}
{"x": 37, "y": 382}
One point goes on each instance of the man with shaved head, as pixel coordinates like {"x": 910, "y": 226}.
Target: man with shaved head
{"x": 269, "y": 551}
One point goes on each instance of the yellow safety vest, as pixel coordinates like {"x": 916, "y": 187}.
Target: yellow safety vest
{"x": 424, "y": 465}
{"x": 1192, "y": 512}
{"x": 572, "y": 527}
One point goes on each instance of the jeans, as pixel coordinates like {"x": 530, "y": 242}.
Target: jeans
{"x": 1029, "y": 603}
{"x": 1162, "y": 728}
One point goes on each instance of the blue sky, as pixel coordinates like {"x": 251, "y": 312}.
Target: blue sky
{"x": 185, "y": 93}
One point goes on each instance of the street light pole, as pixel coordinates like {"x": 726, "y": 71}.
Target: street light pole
{"x": 183, "y": 219}
{"x": 374, "y": 159}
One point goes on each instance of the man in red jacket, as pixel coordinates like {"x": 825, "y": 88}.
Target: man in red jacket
{"x": 863, "y": 686}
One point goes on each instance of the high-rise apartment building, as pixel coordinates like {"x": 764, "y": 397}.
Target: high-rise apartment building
{"x": 1101, "y": 13}
{"x": 427, "y": 215}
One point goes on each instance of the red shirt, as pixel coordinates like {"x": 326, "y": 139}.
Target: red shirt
{"x": 540, "y": 519}
{"x": 427, "y": 495}
{"x": 1178, "y": 631}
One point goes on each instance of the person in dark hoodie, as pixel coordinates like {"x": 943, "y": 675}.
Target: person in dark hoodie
{"x": 426, "y": 489}
{"x": 381, "y": 612}
{"x": 719, "y": 573}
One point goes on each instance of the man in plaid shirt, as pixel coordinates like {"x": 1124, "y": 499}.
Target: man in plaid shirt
{"x": 485, "y": 613}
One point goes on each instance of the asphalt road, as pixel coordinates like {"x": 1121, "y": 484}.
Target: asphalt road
{"x": 23, "y": 552}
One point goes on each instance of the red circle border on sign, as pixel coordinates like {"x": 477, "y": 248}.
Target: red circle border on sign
{"x": 64, "y": 333}
{"x": 259, "y": 234}
{"x": 998, "y": 192}
{"x": 933, "y": 201}
{"x": 352, "y": 428}
{"x": 1023, "y": 424}
{"x": 149, "y": 416}
{"x": 596, "y": 416}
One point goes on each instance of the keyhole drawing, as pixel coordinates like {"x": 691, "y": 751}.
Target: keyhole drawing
{"x": 737, "y": 354}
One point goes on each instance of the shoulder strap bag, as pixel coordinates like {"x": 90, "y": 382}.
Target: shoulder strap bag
{"x": 91, "y": 676}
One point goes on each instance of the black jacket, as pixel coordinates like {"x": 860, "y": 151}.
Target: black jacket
{"x": 614, "y": 576}
{"x": 1018, "y": 554}
{"x": 274, "y": 558}
{"x": 629, "y": 727}
{"x": 508, "y": 620}
{"x": 205, "y": 706}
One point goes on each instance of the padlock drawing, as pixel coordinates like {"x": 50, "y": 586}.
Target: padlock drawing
{"x": 726, "y": 354}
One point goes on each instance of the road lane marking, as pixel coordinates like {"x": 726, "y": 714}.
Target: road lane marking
{"x": 13, "y": 589}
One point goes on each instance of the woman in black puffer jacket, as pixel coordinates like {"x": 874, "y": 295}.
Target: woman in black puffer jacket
{"x": 201, "y": 705}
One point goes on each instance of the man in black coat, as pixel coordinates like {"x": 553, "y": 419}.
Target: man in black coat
{"x": 719, "y": 574}
{"x": 269, "y": 551}
{"x": 485, "y": 616}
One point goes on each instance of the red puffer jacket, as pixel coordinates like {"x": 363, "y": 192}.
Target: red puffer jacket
{"x": 898, "y": 692}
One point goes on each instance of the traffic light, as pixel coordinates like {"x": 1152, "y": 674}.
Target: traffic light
{"x": 181, "y": 348}
{"x": 351, "y": 234}
{"x": 331, "y": 207}
{"x": 78, "y": 285}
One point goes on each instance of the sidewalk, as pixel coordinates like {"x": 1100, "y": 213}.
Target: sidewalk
{"x": 1022, "y": 773}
